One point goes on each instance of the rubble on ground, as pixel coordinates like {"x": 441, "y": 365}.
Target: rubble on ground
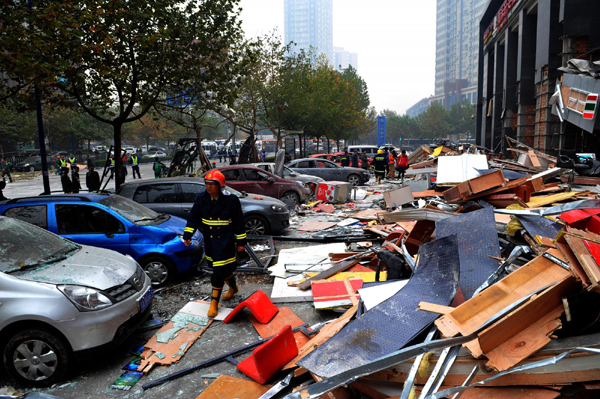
{"x": 474, "y": 276}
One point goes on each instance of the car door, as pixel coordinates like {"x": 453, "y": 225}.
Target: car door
{"x": 258, "y": 183}
{"x": 329, "y": 170}
{"x": 189, "y": 192}
{"x": 160, "y": 197}
{"x": 307, "y": 167}
{"x": 89, "y": 224}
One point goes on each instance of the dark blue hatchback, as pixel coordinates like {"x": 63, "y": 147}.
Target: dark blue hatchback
{"x": 153, "y": 239}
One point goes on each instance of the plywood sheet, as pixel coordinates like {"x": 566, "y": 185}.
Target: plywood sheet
{"x": 550, "y": 199}
{"x": 469, "y": 316}
{"x": 226, "y": 387}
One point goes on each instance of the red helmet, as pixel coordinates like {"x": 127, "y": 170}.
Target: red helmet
{"x": 216, "y": 177}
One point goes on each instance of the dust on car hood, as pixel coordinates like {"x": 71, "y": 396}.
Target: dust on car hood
{"x": 91, "y": 267}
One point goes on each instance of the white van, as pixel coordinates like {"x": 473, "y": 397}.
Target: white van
{"x": 371, "y": 149}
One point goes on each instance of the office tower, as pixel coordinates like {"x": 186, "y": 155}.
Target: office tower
{"x": 344, "y": 59}
{"x": 310, "y": 23}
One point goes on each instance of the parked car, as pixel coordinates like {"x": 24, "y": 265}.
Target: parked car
{"x": 252, "y": 179}
{"x": 33, "y": 163}
{"x": 62, "y": 300}
{"x": 176, "y": 196}
{"x": 157, "y": 154}
{"x": 370, "y": 149}
{"x": 288, "y": 174}
{"x": 330, "y": 171}
{"x": 114, "y": 222}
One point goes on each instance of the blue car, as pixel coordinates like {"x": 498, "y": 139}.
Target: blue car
{"x": 154, "y": 240}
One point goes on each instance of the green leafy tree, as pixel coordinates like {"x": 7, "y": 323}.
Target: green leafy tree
{"x": 461, "y": 118}
{"x": 433, "y": 122}
{"x": 116, "y": 58}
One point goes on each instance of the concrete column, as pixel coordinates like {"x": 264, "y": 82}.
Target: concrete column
{"x": 511, "y": 55}
{"x": 526, "y": 77}
{"x": 498, "y": 94}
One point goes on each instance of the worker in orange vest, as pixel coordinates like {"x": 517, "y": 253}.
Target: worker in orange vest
{"x": 391, "y": 165}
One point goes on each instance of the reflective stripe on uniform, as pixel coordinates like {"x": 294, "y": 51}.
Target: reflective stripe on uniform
{"x": 188, "y": 230}
{"x": 216, "y": 222}
{"x": 223, "y": 262}
{"x": 240, "y": 236}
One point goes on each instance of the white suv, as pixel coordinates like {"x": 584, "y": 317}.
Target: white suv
{"x": 62, "y": 300}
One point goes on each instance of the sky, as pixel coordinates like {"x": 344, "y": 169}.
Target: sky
{"x": 394, "y": 39}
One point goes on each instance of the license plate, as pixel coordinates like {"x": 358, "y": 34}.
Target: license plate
{"x": 146, "y": 300}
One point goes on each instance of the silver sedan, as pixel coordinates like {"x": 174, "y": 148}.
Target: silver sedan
{"x": 330, "y": 171}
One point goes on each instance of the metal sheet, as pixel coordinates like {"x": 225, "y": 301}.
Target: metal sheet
{"x": 395, "y": 322}
{"x": 539, "y": 226}
{"x": 477, "y": 238}
{"x": 555, "y": 210}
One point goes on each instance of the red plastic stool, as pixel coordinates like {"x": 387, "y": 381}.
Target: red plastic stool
{"x": 270, "y": 357}
{"x": 259, "y": 305}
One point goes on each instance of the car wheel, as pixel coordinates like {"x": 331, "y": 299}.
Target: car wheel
{"x": 32, "y": 169}
{"x": 291, "y": 199}
{"x": 36, "y": 358}
{"x": 354, "y": 180}
{"x": 256, "y": 225}
{"x": 159, "y": 270}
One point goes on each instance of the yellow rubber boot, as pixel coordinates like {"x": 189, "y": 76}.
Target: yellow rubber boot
{"x": 214, "y": 303}
{"x": 233, "y": 288}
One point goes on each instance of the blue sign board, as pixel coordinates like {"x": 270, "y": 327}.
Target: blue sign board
{"x": 380, "y": 131}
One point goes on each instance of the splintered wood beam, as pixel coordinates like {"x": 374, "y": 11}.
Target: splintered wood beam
{"x": 435, "y": 308}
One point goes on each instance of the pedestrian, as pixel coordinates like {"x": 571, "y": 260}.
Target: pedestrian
{"x": 391, "y": 165}
{"x": 233, "y": 160}
{"x": 221, "y": 155}
{"x": 72, "y": 161}
{"x": 380, "y": 162}
{"x": 5, "y": 168}
{"x": 263, "y": 154}
{"x": 112, "y": 166}
{"x": 2, "y": 187}
{"x": 231, "y": 157}
{"x": 92, "y": 179}
{"x": 76, "y": 184}
{"x": 364, "y": 160}
{"x": 67, "y": 185}
{"x": 59, "y": 164}
{"x": 288, "y": 157}
{"x": 354, "y": 159}
{"x": 157, "y": 166}
{"x": 345, "y": 159}
{"x": 89, "y": 161}
{"x": 135, "y": 167}
{"x": 386, "y": 155}
{"x": 402, "y": 164}
{"x": 218, "y": 216}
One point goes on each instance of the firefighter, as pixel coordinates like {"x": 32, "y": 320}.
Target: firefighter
{"x": 218, "y": 216}
{"x": 345, "y": 159}
{"x": 379, "y": 161}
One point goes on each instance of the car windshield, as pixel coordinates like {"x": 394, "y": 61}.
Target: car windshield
{"x": 287, "y": 171}
{"x": 133, "y": 211}
{"x": 234, "y": 192}
{"x": 25, "y": 246}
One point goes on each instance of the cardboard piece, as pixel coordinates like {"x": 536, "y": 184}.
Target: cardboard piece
{"x": 227, "y": 387}
{"x": 398, "y": 197}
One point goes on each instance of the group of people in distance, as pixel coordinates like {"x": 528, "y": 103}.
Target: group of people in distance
{"x": 386, "y": 162}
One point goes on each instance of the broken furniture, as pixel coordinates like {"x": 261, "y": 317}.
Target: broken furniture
{"x": 270, "y": 357}
{"x": 259, "y": 305}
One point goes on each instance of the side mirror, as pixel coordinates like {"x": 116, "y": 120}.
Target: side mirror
{"x": 109, "y": 234}
{"x": 293, "y": 174}
{"x": 271, "y": 180}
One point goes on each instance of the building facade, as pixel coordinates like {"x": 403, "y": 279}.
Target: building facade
{"x": 310, "y": 23}
{"x": 529, "y": 86}
{"x": 344, "y": 58}
{"x": 457, "y": 47}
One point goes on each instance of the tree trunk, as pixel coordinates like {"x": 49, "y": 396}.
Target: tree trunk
{"x": 118, "y": 176}
{"x": 328, "y": 145}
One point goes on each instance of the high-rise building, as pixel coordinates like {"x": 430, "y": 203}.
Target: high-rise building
{"x": 344, "y": 58}
{"x": 457, "y": 48}
{"x": 310, "y": 23}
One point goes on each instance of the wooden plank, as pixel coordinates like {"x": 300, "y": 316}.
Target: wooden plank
{"x": 367, "y": 277}
{"x": 427, "y": 193}
{"x": 231, "y": 387}
{"x": 550, "y": 199}
{"x": 534, "y": 159}
{"x": 434, "y": 308}
{"x": 469, "y": 316}
{"x": 486, "y": 182}
{"x": 504, "y": 200}
{"x": 574, "y": 264}
{"x": 508, "y": 186}
{"x": 526, "y": 315}
{"x": 585, "y": 259}
{"x": 509, "y": 393}
{"x": 525, "y": 343}
{"x": 346, "y": 264}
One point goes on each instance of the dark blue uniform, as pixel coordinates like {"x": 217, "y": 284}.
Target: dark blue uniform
{"x": 380, "y": 162}
{"x": 222, "y": 225}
